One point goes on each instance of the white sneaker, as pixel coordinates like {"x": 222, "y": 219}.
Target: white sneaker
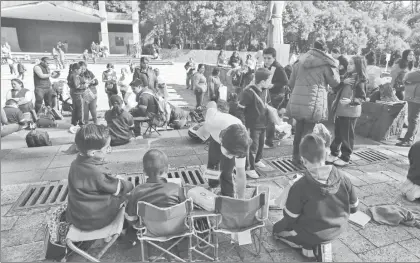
{"x": 340, "y": 163}
{"x": 309, "y": 253}
{"x": 74, "y": 129}
{"x": 253, "y": 174}
{"x": 331, "y": 158}
{"x": 260, "y": 164}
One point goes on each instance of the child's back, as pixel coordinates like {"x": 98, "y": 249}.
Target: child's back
{"x": 119, "y": 122}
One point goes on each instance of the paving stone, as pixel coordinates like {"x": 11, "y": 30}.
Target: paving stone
{"x": 118, "y": 168}
{"x": 270, "y": 243}
{"x": 174, "y": 152}
{"x": 4, "y": 153}
{"x": 400, "y": 177}
{"x": 375, "y": 177}
{"x": 415, "y": 232}
{"x": 8, "y": 222}
{"x": 381, "y": 235}
{"x": 4, "y": 209}
{"x": 23, "y": 154}
{"x": 42, "y": 163}
{"x": 356, "y": 181}
{"x": 10, "y": 193}
{"x": 264, "y": 256}
{"x": 378, "y": 190}
{"x": 201, "y": 149}
{"x": 19, "y": 177}
{"x": 182, "y": 161}
{"x": 412, "y": 245}
{"x": 18, "y": 236}
{"x": 375, "y": 200}
{"x": 56, "y": 174}
{"x": 31, "y": 221}
{"x": 390, "y": 253}
{"x": 170, "y": 142}
{"x": 28, "y": 212}
{"x": 23, "y": 253}
{"x": 288, "y": 255}
{"x": 355, "y": 241}
{"x": 62, "y": 161}
{"x": 342, "y": 253}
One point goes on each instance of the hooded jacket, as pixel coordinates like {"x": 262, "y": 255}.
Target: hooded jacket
{"x": 311, "y": 75}
{"x": 279, "y": 79}
{"x": 414, "y": 157}
{"x": 319, "y": 208}
{"x": 412, "y": 86}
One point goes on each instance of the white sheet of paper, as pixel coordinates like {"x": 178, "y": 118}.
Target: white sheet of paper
{"x": 177, "y": 181}
{"x": 243, "y": 238}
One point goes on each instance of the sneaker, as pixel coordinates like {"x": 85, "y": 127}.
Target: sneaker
{"x": 260, "y": 164}
{"x": 323, "y": 253}
{"x": 308, "y": 253}
{"x": 404, "y": 144}
{"x": 340, "y": 163}
{"x": 253, "y": 174}
{"x": 331, "y": 158}
{"x": 73, "y": 129}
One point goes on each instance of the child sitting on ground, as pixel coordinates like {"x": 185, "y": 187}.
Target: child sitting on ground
{"x": 319, "y": 204}
{"x": 94, "y": 197}
{"x": 411, "y": 187}
{"x": 119, "y": 122}
{"x": 156, "y": 191}
{"x": 15, "y": 115}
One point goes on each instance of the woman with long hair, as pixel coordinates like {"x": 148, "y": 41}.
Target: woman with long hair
{"x": 221, "y": 59}
{"x": 91, "y": 82}
{"x": 347, "y": 109}
{"x": 199, "y": 85}
{"x": 401, "y": 67}
{"x": 77, "y": 87}
{"x": 119, "y": 122}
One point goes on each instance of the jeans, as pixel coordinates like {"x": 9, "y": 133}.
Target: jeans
{"x": 199, "y": 97}
{"x": 216, "y": 159}
{"x": 21, "y": 75}
{"x": 12, "y": 69}
{"x": 189, "y": 80}
{"x": 78, "y": 109}
{"x": 283, "y": 226}
{"x": 413, "y": 121}
{"x": 90, "y": 107}
{"x": 9, "y": 129}
{"x": 42, "y": 94}
{"x": 343, "y": 137}
{"x": 276, "y": 99}
{"x": 257, "y": 146}
{"x": 302, "y": 129}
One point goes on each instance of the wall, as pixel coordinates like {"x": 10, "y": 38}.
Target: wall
{"x": 9, "y": 35}
{"x": 114, "y": 49}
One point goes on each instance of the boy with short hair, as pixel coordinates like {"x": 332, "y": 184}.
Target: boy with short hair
{"x": 319, "y": 204}
{"x": 94, "y": 197}
{"x": 156, "y": 191}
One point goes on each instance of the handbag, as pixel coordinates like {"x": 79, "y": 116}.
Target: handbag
{"x": 271, "y": 112}
{"x": 55, "y": 235}
{"x": 88, "y": 95}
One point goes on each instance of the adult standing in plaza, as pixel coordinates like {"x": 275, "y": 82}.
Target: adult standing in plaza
{"x": 402, "y": 66}
{"x": 309, "y": 82}
{"x": 91, "y": 81}
{"x": 229, "y": 143}
{"x": 77, "y": 87}
{"x": 146, "y": 75}
{"x": 253, "y": 102}
{"x": 412, "y": 96}
{"x": 278, "y": 88}
{"x": 42, "y": 84}
{"x": 66, "y": 46}
{"x": 109, "y": 77}
{"x": 199, "y": 85}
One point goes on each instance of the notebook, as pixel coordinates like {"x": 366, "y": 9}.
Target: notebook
{"x": 359, "y": 219}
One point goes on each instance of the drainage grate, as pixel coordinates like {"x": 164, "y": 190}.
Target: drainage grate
{"x": 42, "y": 195}
{"x": 286, "y": 166}
{"x": 189, "y": 175}
{"x": 371, "y": 156}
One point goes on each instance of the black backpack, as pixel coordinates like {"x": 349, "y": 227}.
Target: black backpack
{"x": 38, "y": 139}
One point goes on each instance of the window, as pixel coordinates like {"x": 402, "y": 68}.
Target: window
{"x": 119, "y": 41}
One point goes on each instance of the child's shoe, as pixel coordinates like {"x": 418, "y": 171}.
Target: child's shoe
{"x": 308, "y": 253}
{"x": 323, "y": 252}
{"x": 341, "y": 163}
{"x": 260, "y": 164}
{"x": 331, "y": 159}
{"x": 253, "y": 174}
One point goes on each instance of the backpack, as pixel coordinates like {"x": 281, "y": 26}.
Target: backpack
{"x": 37, "y": 139}
{"x": 164, "y": 111}
{"x": 46, "y": 117}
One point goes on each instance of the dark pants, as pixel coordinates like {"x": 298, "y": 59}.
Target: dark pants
{"x": 284, "y": 225}
{"x": 78, "y": 109}
{"x": 276, "y": 99}
{"x": 199, "y": 97}
{"x": 302, "y": 128}
{"x": 137, "y": 124}
{"x": 216, "y": 159}
{"x": 257, "y": 146}
{"x": 90, "y": 107}
{"x": 21, "y": 75}
{"x": 12, "y": 69}
{"x": 413, "y": 121}
{"x": 399, "y": 94}
{"x": 42, "y": 95}
{"x": 343, "y": 137}
{"x": 189, "y": 80}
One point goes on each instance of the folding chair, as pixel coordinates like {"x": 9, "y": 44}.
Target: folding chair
{"x": 238, "y": 215}
{"x": 164, "y": 224}
{"x": 112, "y": 231}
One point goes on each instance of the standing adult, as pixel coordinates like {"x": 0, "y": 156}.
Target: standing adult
{"x": 214, "y": 85}
{"x": 229, "y": 143}
{"x": 61, "y": 56}
{"x": 190, "y": 68}
{"x": 77, "y": 86}
{"x": 235, "y": 59}
{"x": 146, "y": 75}
{"x": 66, "y": 46}
{"x": 342, "y": 61}
{"x": 412, "y": 96}
{"x": 91, "y": 83}
{"x": 199, "y": 85}
{"x": 109, "y": 77}
{"x": 42, "y": 84}
{"x": 221, "y": 58}
{"x": 401, "y": 67}
{"x": 253, "y": 101}
{"x": 278, "y": 88}
{"x": 374, "y": 74}
{"x": 259, "y": 57}
{"x": 309, "y": 82}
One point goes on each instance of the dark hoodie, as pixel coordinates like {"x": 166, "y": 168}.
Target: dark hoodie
{"x": 279, "y": 79}
{"x": 414, "y": 171}
{"x": 319, "y": 210}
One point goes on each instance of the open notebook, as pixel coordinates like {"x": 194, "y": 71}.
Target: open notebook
{"x": 359, "y": 219}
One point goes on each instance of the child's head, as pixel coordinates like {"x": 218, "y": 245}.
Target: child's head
{"x": 109, "y": 66}
{"x": 116, "y": 103}
{"x": 124, "y": 71}
{"x": 86, "y": 51}
{"x": 12, "y": 103}
{"x": 155, "y": 164}
{"x": 93, "y": 140}
{"x": 156, "y": 70}
{"x": 233, "y": 97}
{"x": 223, "y": 106}
{"x": 262, "y": 77}
{"x": 357, "y": 64}
{"x": 312, "y": 149}
{"x": 235, "y": 141}
{"x": 215, "y": 72}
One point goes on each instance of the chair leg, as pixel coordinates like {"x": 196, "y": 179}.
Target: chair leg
{"x": 102, "y": 252}
{"x": 142, "y": 250}
{"x": 216, "y": 247}
{"x": 80, "y": 252}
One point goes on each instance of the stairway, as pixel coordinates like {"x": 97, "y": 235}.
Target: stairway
{"x": 71, "y": 57}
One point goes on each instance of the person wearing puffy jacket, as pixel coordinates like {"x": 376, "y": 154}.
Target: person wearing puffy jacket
{"x": 412, "y": 96}
{"x": 308, "y": 104}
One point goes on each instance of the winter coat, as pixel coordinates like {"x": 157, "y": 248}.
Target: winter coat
{"x": 315, "y": 70}
{"x": 279, "y": 79}
{"x": 412, "y": 86}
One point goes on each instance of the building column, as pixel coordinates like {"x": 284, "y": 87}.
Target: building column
{"x": 135, "y": 24}
{"x": 104, "y": 24}
{"x": 275, "y": 32}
